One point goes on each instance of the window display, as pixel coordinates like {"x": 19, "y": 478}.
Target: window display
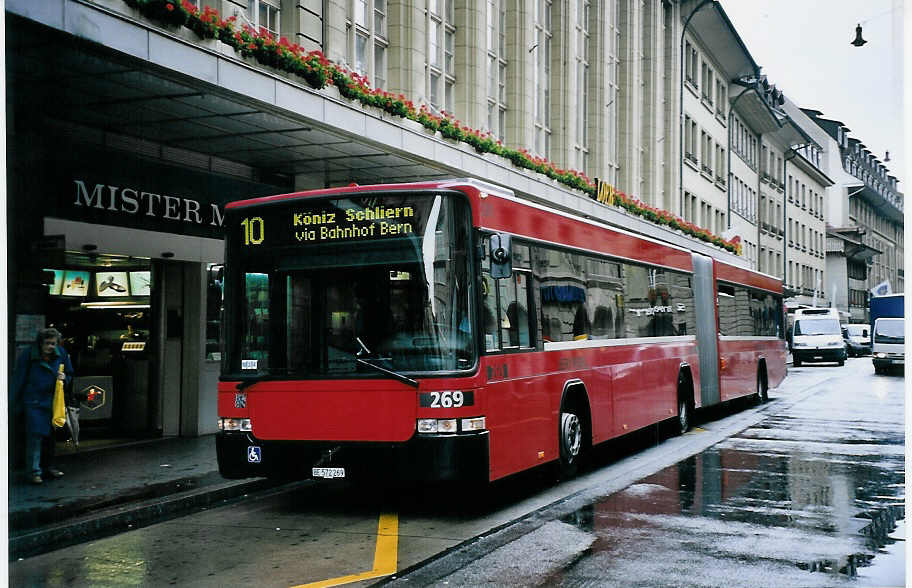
{"x": 75, "y": 283}
{"x": 140, "y": 283}
{"x": 57, "y": 287}
{"x": 108, "y": 284}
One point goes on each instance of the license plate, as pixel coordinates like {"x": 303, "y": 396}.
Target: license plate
{"x": 328, "y": 473}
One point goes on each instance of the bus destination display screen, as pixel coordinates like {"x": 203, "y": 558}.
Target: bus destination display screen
{"x": 303, "y": 222}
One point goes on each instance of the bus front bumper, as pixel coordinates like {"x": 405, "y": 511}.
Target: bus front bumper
{"x": 423, "y": 458}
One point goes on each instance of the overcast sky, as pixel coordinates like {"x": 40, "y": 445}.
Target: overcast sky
{"x": 803, "y": 48}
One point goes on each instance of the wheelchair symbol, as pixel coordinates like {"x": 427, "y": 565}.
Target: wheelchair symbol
{"x": 254, "y": 454}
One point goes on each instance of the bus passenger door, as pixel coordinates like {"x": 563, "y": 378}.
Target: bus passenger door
{"x": 707, "y": 337}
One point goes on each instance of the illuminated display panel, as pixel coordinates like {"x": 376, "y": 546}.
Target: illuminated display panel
{"x": 141, "y": 283}
{"x": 342, "y": 220}
{"x": 111, "y": 284}
{"x": 75, "y": 283}
{"x": 57, "y": 287}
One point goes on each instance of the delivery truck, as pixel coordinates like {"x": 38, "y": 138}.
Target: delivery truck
{"x": 888, "y": 342}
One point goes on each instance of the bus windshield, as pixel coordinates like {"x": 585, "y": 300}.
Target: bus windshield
{"x": 314, "y": 285}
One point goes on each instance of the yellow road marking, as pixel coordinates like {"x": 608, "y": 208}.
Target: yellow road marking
{"x": 385, "y": 555}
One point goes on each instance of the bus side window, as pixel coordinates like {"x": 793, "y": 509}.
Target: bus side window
{"x": 514, "y": 300}
{"x": 489, "y": 312}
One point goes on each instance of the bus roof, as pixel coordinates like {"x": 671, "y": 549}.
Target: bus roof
{"x": 539, "y": 222}
{"x": 351, "y": 188}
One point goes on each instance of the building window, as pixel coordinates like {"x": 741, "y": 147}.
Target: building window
{"x": 495, "y": 18}
{"x": 440, "y": 54}
{"x": 706, "y": 155}
{"x": 582, "y": 89}
{"x": 721, "y": 99}
{"x": 707, "y": 87}
{"x": 690, "y": 63}
{"x": 368, "y": 42}
{"x": 720, "y": 164}
{"x": 542, "y": 77}
{"x": 265, "y": 16}
{"x": 380, "y": 17}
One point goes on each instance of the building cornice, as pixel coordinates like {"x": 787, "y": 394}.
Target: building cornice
{"x": 812, "y": 170}
{"x": 716, "y": 33}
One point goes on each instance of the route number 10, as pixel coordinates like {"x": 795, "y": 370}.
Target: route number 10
{"x": 254, "y": 230}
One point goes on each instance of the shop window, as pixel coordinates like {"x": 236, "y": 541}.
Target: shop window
{"x": 214, "y": 302}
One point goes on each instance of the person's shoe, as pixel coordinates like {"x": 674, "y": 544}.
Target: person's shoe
{"x": 36, "y": 480}
{"x": 55, "y": 473}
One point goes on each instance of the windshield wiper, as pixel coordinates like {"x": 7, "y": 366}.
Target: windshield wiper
{"x": 395, "y": 375}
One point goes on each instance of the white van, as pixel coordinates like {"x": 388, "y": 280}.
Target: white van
{"x": 889, "y": 344}
{"x": 857, "y": 339}
{"x": 817, "y": 336}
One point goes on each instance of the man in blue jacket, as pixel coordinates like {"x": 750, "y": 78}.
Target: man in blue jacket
{"x": 34, "y": 381}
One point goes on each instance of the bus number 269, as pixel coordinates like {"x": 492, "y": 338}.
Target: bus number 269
{"x": 447, "y": 399}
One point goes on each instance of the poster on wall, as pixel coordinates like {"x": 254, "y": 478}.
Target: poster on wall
{"x": 141, "y": 283}
{"x": 75, "y": 283}
{"x": 108, "y": 284}
{"x": 57, "y": 287}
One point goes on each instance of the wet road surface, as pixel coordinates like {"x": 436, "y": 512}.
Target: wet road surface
{"x": 802, "y": 491}
{"x": 809, "y": 496}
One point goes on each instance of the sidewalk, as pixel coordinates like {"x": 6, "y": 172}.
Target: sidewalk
{"x": 109, "y": 490}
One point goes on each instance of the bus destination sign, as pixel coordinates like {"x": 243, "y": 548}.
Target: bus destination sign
{"x": 343, "y": 222}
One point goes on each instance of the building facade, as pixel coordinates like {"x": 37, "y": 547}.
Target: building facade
{"x": 865, "y": 235}
{"x": 128, "y": 133}
{"x": 749, "y": 169}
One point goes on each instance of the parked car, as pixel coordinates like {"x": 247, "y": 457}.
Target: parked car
{"x": 857, "y": 339}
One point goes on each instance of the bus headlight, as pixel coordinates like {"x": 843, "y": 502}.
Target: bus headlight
{"x": 235, "y": 425}
{"x": 473, "y": 424}
{"x": 451, "y": 425}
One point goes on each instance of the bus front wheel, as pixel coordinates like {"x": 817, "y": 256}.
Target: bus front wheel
{"x": 571, "y": 443}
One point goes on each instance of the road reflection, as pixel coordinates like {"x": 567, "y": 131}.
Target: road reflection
{"x": 776, "y": 507}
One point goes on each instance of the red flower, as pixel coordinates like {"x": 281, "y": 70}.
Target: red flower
{"x": 169, "y": 7}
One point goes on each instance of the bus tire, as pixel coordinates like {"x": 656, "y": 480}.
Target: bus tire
{"x": 762, "y": 387}
{"x": 684, "y": 415}
{"x": 684, "y": 419}
{"x": 570, "y": 440}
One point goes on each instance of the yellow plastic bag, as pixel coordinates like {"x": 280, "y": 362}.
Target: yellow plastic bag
{"x": 58, "y": 416}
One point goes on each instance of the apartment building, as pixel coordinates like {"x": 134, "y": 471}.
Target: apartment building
{"x": 864, "y": 220}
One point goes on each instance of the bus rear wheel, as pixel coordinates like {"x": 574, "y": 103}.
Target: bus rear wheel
{"x": 683, "y": 415}
{"x": 762, "y": 392}
{"x": 571, "y": 443}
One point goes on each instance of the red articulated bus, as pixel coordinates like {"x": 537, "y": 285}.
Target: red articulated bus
{"x": 452, "y": 331}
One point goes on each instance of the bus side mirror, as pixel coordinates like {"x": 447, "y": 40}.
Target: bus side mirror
{"x": 501, "y": 264}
